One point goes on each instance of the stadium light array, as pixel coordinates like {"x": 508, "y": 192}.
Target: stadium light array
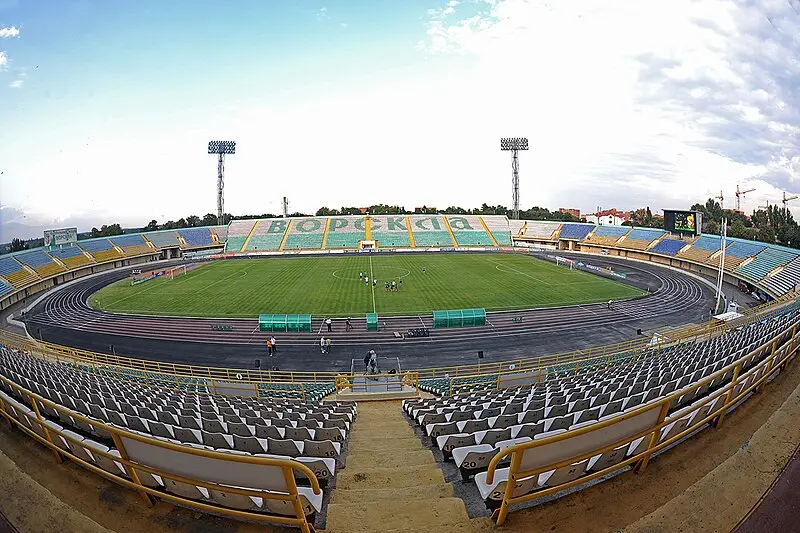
{"x": 514, "y": 145}
{"x": 221, "y": 147}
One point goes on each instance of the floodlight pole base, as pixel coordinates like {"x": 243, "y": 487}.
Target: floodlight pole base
{"x": 220, "y": 188}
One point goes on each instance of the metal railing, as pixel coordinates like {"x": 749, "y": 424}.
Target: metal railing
{"x": 36, "y": 428}
{"x": 776, "y": 353}
{"x": 178, "y": 371}
{"x": 373, "y": 382}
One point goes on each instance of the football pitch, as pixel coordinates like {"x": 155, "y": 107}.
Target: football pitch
{"x": 330, "y": 286}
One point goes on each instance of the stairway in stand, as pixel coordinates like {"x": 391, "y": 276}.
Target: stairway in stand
{"x": 391, "y": 482}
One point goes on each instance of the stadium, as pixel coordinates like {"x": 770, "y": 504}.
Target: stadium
{"x": 554, "y": 354}
{"x": 229, "y": 305}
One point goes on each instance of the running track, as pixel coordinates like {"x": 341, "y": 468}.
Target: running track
{"x": 671, "y": 293}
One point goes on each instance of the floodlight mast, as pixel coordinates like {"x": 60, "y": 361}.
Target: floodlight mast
{"x": 220, "y": 148}
{"x": 514, "y": 145}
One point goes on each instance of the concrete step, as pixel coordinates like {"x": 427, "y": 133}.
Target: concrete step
{"x": 420, "y": 492}
{"x": 419, "y": 515}
{"x": 406, "y": 476}
{"x": 364, "y": 461}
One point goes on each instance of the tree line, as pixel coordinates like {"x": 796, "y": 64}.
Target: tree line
{"x": 773, "y": 225}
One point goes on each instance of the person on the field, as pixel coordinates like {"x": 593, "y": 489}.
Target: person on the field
{"x": 609, "y": 303}
{"x": 322, "y": 344}
{"x": 400, "y": 284}
{"x": 386, "y": 286}
{"x": 360, "y": 276}
{"x": 274, "y": 345}
{"x": 269, "y": 347}
{"x": 366, "y": 278}
{"x": 328, "y": 323}
{"x": 374, "y": 282}
{"x": 328, "y": 345}
{"x": 348, "y": 325}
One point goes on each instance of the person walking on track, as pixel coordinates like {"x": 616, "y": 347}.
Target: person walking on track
{"x": 328, "y": 323}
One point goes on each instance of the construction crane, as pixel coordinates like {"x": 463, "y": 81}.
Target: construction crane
{"x": 739, "y": 196}
{"x": 787, "y": 199}
{"x": 721, "y": 199}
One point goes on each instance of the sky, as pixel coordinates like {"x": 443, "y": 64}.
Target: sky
{"x": 106, "y": 107}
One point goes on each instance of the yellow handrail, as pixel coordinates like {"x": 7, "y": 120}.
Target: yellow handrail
{"x": 767, "y": 364}
{"x": 131, "y": 468}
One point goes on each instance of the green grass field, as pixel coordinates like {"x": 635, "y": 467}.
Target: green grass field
{"x": 330, "y": 286}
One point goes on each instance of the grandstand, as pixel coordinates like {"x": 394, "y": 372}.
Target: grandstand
{"x": 238, "y": 231}
{"x": 43, "y": 264}
{"x": 574, "y": 231}
{"x": 132, "y": 244}
{"x": 498, "y": 226}
{"x": 390, "y": 231}
{"x": 15, "y": 273}
{"x": 431, "y": 230}
{"x": 702, "y": 248}
{"x": 541, "y": 229}
{"x": 786, "y": 279}
{"x": 267, "y": 234}
{"x": 641, "y": 238}
{"x": 669, "y": 246}
{"x": 196, "y": 237}
{"x": 517, "y": 228}
{"x": 765, "y": 262}
{"x": 163, "y": 239}
{"x": 476, "y": 429}
{"x": 82, "y": 408}
{"x": 71, "y": 256}
{"x": 607, "y": 235}
{"x": 735, "y": 254}
{"x": 5, "y": 288}
{"x": 469, "y": 230}
{"x": 100, "y": 249}
{"x": 221, "y": 233}
{"x": 345, "y": 232}
{"x": 305, "y": 234}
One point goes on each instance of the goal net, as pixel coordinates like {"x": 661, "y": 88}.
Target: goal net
{"x": 563, "y": 261}
{"x": 174, "y": 272}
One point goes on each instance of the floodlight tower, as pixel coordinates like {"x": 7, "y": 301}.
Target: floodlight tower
{"x": 514, "y": 145}
{"x": 220, "y": 148}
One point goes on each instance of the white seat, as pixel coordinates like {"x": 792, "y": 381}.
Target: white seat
{"x": 496, "y": 490}
{"x": 475, "y": 456}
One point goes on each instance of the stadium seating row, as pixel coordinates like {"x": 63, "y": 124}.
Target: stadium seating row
{"x": 472, "y": 428}
{"x": 92, "y": 403}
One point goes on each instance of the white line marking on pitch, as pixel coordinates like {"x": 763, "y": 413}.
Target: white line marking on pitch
{"x": 372, "y": 277}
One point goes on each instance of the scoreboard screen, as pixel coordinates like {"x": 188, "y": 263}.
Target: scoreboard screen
{"x": 683, "y": 222}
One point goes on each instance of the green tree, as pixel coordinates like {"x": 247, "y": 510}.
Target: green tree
{"x": 17, "y": 245}
{"x": 209, "y": 219}
{"x": 193, "y": 221}
{"x": 151, "y": 226}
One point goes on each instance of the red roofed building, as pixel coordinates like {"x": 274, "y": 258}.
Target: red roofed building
{"x": 609, "y": 217}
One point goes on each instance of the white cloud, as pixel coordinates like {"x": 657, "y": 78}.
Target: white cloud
{"x": 3, "y": 60}
{"x": 9, "y": 31}
{"x": 322, "y": 13}
{"x": 16, "y": 84}
{"x": 343, "y": 24}
{"x": 620, "y": 111}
